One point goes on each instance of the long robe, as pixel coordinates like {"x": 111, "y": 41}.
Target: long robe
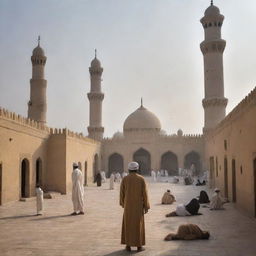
{"x": 39, "y": 200}
{"x": 168, "y": 198}
{"x": 111, "y": 181}
{"x": 186, "y": 232}
{"x": 134, "y": 200}
{"x": 77, "y": 190}
{"x": 216, "y": 202}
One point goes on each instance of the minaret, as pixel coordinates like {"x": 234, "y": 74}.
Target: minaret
{"x": 37, "y": 106}
{"x": 95, "y": 97}
{"x": 212, "y": 47}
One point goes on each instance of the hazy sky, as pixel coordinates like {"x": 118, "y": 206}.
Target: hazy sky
{"x": 148, "y": 48}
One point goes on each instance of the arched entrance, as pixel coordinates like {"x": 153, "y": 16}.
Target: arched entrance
{"x": 169, "y": 162}
{"x": 193, "y": 158}
{"x": 24, "y": 178}
{"x": 85, "y": 173}
{"x": 234, "y": 180}
{"x": 39, "y": 172}
{"x": 95, "y": 165}
{"x": 115, "y": 163}
{"x": 143, "y": 158}
{"x": 225, "y": 177}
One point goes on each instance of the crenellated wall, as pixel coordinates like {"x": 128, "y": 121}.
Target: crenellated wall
{"x": 22, "y": 138}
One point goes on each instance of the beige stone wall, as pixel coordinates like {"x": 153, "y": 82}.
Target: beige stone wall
{"x": 155, "y": 144}
{"x": 20, "y": 138}
{"x": 238, "y": 129}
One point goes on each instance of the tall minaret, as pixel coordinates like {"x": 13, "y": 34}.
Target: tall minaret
{"x": 212, "y": 47}
{"x": 95, "y": 97}
{"x": 37, "y": 106}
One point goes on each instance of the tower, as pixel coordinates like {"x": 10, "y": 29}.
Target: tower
{"x": 37, "y": 106}
{"x": 95, "y": 97}
{"x": 212, "y": 47}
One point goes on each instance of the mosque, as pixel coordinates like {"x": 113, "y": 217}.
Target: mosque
{"x": 33, "y": 153}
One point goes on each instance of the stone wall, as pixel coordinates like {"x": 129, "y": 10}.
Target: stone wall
{"x": 230, "y": 152}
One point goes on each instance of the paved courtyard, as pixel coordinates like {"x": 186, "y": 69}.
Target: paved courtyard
{"x": 97, "y": 233}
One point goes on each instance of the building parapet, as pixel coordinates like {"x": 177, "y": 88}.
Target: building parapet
{"x": 242, "y": 106}
{"x": 8, "y": 115}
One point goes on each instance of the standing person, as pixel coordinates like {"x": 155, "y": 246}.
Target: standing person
{"x": 112, "y": 181}
{"x": 98, "y": 179}
{"x": 77, "y": 190}
{"x": 39, "y": 200}
{"x": 134, "y": 200}
{"x": 153, "y": 176}
{"x": 118, "y": 177}
{"x": 103, "y": 176}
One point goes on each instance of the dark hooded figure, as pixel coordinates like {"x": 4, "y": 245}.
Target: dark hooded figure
{"x": 193, "y": 206}
{"x": 203, "y": 197}
{"x": 98, "y": 179}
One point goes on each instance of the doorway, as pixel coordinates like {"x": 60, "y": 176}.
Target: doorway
{"x": 225, "y": 177}
{"x": 85, "y": 173}
{"x": 39, "y": 172}
{"x": 142, "y": 157}
{"x": 233, "y": 180}
{"x": 24, "y": 178}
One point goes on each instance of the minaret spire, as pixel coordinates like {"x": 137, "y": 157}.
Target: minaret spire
{"x": 95, "y": 51}
{"x": 211, "y": 2}
{"x": 141, "y": 102}
{"x": 38, "y": 40}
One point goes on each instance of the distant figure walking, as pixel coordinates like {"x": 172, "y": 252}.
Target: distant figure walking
{"x": 188, "y": 232}
{"x": 153, "y": 176}
{"x": 98, "y": 179}
{"x": 134, "y": 200}
{"x": 39, "y": 200}
{"x": 112, "y": 181}
{"x": 77, "y": 190}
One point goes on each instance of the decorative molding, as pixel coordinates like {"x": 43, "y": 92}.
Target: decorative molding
{"x": 95, "y": 96}
{"x": 214, "y": 102}
{"x": 213, "y": 46}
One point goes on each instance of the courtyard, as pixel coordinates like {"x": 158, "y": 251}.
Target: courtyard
{"x": 97, "y": 233}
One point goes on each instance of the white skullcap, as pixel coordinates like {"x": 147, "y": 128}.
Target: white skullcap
{"x": 132, "y": 166}
{"x": 216, "y": 190}
{"x": 75, "y": 165}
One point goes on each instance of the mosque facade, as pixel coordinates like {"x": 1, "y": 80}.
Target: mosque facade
{"x": 33, "y": 153}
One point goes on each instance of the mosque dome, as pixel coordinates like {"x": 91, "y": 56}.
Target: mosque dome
{"x": 212, "y": 10}
{"x": 95, "y": 63}
{"x": 179, "y": 132}
{"x": 118, "y": 135}
{"x": 38, "y": 51}
{"x": 142, "y": 119}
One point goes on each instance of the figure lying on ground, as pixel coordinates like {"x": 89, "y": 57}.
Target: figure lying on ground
{"x": 186, "y": 210}
{"x": 188, "y": 232}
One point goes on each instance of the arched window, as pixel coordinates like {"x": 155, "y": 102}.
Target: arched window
{"x": 169, "y": 162}
{"x": 24, "y": 186}
{"x": 115, "y": 163}
{"x": 192, "y": 160}
{"x": 143, "y": 157}
{"x": 39, "y": 172}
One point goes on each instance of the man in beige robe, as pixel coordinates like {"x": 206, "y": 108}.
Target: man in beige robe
{"x": 168, "y": 198}
{"x": 134, "y": 200}
{"x": 188, "y": 232}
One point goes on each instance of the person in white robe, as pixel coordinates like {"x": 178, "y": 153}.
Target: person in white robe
{"x": 118, "y": 177}
{"x": 103, "y": 176}
{"x": 77, "y": 190}
{"x": 166, "y": 173}
{"x": 112, "y": 181}
{"x": 39, "y": 200}
{"x": 158, "y": 176}
{"x": 216, "y": 202}
{"x": 153, "y": 176}
{"x": 175, "y": 180}
{"x": 124, "y": 174}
